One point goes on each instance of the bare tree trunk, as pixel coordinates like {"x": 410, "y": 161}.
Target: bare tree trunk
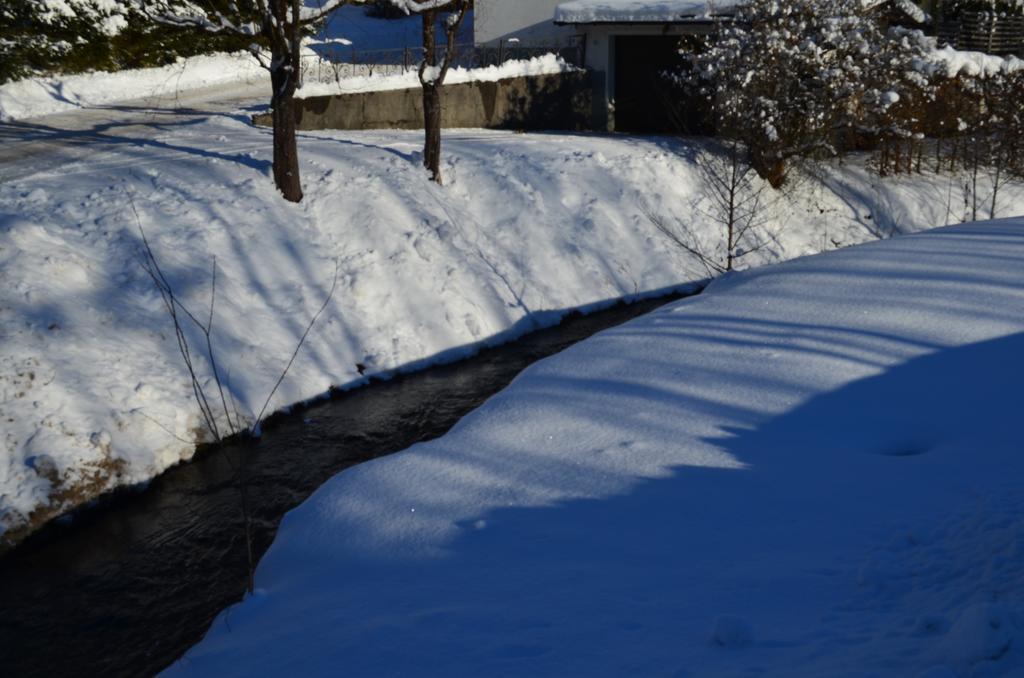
{"x": 432, "y": 75}
{"x": 1000, "y": 167}
{"x": 431, "y": 98}
{"x": 735, "y": 181}
{"x": 286, "y": 152}
{"x": 432, "y": 131}
{"x": 284, "y": 75}
{"x": 996, "y": 181}
{"x": 974, "y": 180}
{"x": 774, "y": 172}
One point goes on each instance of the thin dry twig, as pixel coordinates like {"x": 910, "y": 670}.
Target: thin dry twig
{"x": 298, "y": 346}
{"x": 176, "y": 309}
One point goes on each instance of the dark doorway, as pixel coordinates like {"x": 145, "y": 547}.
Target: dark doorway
{"x": 645, "y": 100}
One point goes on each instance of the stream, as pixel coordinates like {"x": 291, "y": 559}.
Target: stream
{"x": 125, "y": 587}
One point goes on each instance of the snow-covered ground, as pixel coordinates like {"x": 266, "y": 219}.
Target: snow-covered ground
{"x": 812, "y": 469}
{"x": 93, "y": 392}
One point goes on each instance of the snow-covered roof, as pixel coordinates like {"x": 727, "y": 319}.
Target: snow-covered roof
{"x": 641, "y": 11}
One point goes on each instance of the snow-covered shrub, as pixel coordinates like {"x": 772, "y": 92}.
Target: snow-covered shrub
{"x": 960, "y": 113}
{"x": 72, "y": 36}
{"x": 978, "y": 95}
{"x": 788, "y": 77}
{"x": 896, "y": 103}
{"x": 736, "y": 211}
{"x": 989, "y": 135}
{"x": 801, "y": 78}
{"x": 38, "y": 35}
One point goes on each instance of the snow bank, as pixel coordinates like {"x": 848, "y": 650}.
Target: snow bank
{"x": 655, "y": 11}
{"x": 548, "y": 64}
{"x": 951, "y": 63}
{"x": 637, "y": 11}
{"x": 810, "y": 470}
{"x": 34, "y": 97}
{"x": 92, "y": 391}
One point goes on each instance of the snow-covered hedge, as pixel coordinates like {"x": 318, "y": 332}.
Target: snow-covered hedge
{"x": 800, "y": 78}
{"x": 75, "y": 36}
{"x": 965, "y": 106}
{"x": 786, "y": 77}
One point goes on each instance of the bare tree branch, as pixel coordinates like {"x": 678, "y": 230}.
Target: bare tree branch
{"x": 298, "y": 346}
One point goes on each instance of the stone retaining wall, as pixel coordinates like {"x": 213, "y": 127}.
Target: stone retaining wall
{"x": 546, "y": 102}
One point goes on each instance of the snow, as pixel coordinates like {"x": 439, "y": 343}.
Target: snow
{"x": 108, "y": 14}
{"x": 33, "y": 97}
{"x": 639, "y": 11}
{"x": 951, "y": 63}
{"x": 811, "y": 469}
{"x": 657, "y": 11}
{"x": 912, "y": 10}
{"x": 548, "y": 64}
{"x": 425, "y": 272}
{"x": 92, "y": 392}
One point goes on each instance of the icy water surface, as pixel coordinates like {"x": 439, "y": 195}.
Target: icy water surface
{"x": 125, "y": 588}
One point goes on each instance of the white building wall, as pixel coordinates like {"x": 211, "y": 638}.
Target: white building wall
{"x": 600, "y": 60}
{"x": 531, "y": 21}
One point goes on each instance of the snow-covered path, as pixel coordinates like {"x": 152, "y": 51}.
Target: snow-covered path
{"x": 812, "y": 469}
{"x": 50, "y": 143}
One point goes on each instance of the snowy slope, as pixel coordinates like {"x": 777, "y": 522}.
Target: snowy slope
{"x": 813, "y": 469}
{"x": 92, "y": 391}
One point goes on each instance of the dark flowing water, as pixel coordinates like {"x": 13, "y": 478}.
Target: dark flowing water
{"x": 126, "y": 587}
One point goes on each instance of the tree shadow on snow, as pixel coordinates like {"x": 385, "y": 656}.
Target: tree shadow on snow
{"x": 118, "y": 134}
{"x": 634, "y": 579}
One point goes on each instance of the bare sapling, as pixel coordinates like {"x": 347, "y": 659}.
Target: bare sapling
{"x": 219, "y": 420}
{"x": 433, "y": 69}
{"x": 736, "y": 204}
{"x": 1000, "y": 171}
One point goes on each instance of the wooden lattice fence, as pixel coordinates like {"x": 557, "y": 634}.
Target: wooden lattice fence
{"x": 991, "y": 32}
